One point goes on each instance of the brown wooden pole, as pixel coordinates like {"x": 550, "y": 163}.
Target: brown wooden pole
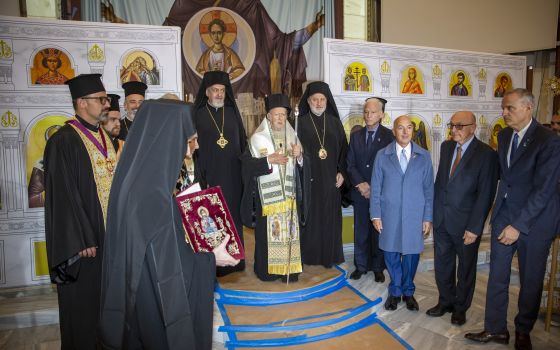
{"x": 339, "y": 19}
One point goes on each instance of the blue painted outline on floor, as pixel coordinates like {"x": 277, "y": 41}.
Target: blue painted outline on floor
{"x": 279, "y": 301}
{"x": 278, "y": 327}
{"x": 293, "y": 293}
{"x": 232, "y": 343}
{"x": 302, "y": 339}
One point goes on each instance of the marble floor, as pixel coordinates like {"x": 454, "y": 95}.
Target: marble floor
{"x": 29, "y": 316}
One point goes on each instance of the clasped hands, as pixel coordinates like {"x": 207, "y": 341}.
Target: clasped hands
{"x": 280, "y": 158}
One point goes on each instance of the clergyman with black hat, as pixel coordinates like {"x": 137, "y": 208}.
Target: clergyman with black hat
{"x": 79, "y": 165}
{"x": 222, "y": 140}
{"x": 323, "y": 139}
{"x": 112, "y": 125}
{"x": 272, "y": 171}
{"x": 134, "y": 95}
{"x": 364, "y": 144}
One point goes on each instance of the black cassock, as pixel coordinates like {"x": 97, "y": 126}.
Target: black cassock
{"x": 221, "y": 166}
{"x": 156, "y": 292}
{"x": 251, "y": 207}
{"x": 125, "y": 128}
{"x": 73, "y": 222}
{"x": 321, "y": 238}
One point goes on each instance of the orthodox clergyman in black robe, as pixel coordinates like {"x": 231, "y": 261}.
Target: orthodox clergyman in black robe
{"x": 79, "y": 164}
{"x": 272, "y": 197}
{"x": 323, "y": 139}
{"x": 156, "y": 292}
{"x": 222, "y": 141}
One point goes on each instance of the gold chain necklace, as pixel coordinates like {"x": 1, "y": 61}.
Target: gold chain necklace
{"x": 222, "y": 142}
{"x": 322, "y": 150}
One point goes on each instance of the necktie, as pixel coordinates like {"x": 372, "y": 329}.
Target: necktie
{"x": 513, "y": 147}
{"x": 456, "y": 162}
{"x": 369, "y": 138}
{"x": 403, "y": 161}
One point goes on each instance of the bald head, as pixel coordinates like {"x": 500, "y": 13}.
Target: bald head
{"x": 403, "y": 129}
{"x": 462, "y": 126}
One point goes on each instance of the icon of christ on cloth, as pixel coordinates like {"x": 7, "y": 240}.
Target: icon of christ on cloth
{"x": 207, "y": 220}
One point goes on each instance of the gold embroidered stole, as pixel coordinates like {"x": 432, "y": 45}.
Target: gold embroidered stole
{"x": 103, "y": 169}
{"x": 276, "y": 191}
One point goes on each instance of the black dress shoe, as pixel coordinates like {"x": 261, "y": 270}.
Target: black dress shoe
{"x": 458, "y": 318}
{"x": 411, "y": 303}
{"x": 357, "y": 274}
{"x": 439, "y": 310}
{"x": 485, "y": 337}
{"x": 379, "y": 277}
{"x": 522, "y": 341}
{"x": 392, "y": 302}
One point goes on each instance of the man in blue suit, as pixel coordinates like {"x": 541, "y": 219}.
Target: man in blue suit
{"x": 464, "y": 191}
{"x": 364, "y": 144}
{"x": 524, "y": 220}
{"x": 402, "y": 193}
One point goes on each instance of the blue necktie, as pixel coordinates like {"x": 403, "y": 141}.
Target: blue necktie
{"x": 369, "y": 138}
{"x": 403, "y": 161}
{"x": 513, "y": 147}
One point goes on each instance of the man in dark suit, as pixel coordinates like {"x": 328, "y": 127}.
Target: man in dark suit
{"x": 364, "y": 144}
{"x": 524, "y": 218}
{"x": 464, "y": 190}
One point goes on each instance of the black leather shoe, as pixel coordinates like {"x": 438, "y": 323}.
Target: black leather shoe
{"x": 379, "y": 277}
{"x": 439, "y": 310}
{"x": 411, "y": 303}
{"x": 458, "y": 318}
{"x": 485, "y": 337}
{"x": 392, "y": 302}
{"x": 522, "y": 341}
{"x": 357, "y": 274}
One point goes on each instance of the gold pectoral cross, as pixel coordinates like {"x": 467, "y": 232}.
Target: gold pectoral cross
{"x": 222, "y": 142}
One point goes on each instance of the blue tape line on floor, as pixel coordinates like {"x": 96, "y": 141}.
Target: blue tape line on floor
{"x": 395, "y": 335}
{"x": 278, "y": 301}
{"x": 302, "y": 339}
{"x": 282, "y": 328}
{"x": 294, "y": 293}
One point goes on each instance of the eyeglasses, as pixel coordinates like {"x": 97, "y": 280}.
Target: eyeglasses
{"x": 555, "y": 123}
{"x": 457, "y": 126}
{"x": 102, "y": 99}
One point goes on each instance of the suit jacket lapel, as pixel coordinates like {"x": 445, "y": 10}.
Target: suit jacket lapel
{"x": 392, "y": 152}
{"x": 524, "y": 142}
{"x": 503, "y": 145}
{"x": 375, "y": 143}
{"x": 446, "y": 158}
{"x": 465, "y": 158}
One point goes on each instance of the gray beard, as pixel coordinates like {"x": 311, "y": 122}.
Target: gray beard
{"x": 131, "y": 115}
{"x": 216, "y": 104}
{"x": 318, "y": 111}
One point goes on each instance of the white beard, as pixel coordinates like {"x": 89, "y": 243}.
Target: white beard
{"x": 216, "y": 103}
{"x": 318, "y": 111}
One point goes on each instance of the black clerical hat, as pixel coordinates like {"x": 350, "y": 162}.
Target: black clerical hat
{"x": 134, "y": 87}
{"x": 314, "y": 88}
{"x": 114, "y": 102}
{"x": 216, "y": 77}
{"x": 85, "y": 84}
{"x": 277, "y": 100}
